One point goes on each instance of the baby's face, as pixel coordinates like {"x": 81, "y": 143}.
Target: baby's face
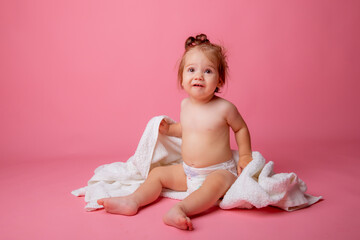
{"x": 200, "y": 75}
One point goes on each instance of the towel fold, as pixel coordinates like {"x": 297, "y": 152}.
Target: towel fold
{"x": 257, "y": 186}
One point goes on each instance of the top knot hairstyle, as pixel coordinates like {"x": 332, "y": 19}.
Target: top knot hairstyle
{"x": 200, "y": 39}
{"x": 214, "y": 52}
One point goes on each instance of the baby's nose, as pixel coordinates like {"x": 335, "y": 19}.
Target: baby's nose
{"x": 199, "y": 76}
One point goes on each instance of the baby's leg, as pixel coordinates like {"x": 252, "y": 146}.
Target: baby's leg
{"x": 172, "y": 177}
{"x": 213, "y": 188}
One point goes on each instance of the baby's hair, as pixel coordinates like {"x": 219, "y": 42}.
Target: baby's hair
{"x": 214, "y": 52}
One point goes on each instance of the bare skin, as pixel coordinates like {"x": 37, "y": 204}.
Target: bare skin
{"x": 204, "y": 125}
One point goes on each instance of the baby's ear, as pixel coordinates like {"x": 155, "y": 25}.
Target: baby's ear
{"x": 221, "y": 83}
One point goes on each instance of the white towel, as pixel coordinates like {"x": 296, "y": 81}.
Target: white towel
{"x": 257, "y": 186}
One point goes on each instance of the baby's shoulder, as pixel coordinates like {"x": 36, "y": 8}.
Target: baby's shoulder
{"x": 225, "y": 104}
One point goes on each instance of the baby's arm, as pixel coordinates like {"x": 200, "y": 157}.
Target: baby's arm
{"x": 242, "y": 136}
{"x": 173, "y": 129}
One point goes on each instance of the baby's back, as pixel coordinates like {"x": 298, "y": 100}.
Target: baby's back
{"x": 205, "y": 133}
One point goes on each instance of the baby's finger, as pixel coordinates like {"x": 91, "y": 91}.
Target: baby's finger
{"x": 239, "y": 170}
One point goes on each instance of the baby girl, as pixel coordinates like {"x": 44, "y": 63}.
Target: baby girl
{"x": 208, "y": 169}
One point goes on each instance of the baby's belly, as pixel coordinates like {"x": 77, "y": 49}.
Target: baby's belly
{"x": 204, "y": 152}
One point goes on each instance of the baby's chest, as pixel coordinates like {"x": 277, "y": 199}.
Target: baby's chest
{"x": 202, "y": 121}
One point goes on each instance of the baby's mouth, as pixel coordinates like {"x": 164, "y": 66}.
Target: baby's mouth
{"x": 198, "y": 85}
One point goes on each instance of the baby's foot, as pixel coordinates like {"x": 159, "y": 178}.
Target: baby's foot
{"x": 120, "y": 205}
{"x": 177, "y": 218}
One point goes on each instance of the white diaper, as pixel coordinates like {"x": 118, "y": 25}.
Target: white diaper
{"x": 196, "y": 176}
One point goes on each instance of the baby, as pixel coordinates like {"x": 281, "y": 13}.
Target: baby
{"x": 208, "y": 169}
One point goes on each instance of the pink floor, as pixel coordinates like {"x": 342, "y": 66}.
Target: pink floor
{"x": 37, "y": 204}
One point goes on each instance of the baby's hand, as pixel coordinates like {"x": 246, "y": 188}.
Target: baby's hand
{"x": 164, "y": 127}
{"x": 243, "y": 162}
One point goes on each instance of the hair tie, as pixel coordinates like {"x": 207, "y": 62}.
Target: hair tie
{"x": 202, "y": 38}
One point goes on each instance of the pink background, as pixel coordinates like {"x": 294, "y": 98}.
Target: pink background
{"x": 80, "y": 79}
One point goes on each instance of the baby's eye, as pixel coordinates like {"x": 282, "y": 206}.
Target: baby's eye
{"x": 191, "y": 70}
{"x": 208, "y": 71}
